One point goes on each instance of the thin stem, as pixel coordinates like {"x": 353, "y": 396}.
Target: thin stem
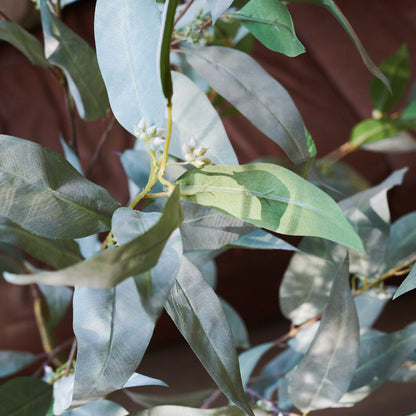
{"x": 211, "y": 399}
{"x": 101, "y": 142}
{"x": 184, "y": 10}
{"x": 71, "y": 357}
{"x": 4, "y": 16}
{"x": 107, "y": 240}
{"x": 57, "y": 8}
{"x": 339, "y": 153}
{"x": 156, "y": 195}
{"x": 269, "y": 406}
{"x": 71, "y": 111}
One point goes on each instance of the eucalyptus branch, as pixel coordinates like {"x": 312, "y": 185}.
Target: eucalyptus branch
{"x": 211, "y": 399}
{"x": 339, "y": 153}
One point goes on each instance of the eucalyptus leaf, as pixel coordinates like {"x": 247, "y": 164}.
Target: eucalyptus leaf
{"x": 270, "y": 22}
{"x": 127, "y": 56}
{"x": 21, "y": 39}
{"x": 25, "y": 396}
{"x": 194, "y": 115}
{"x": 402, "y": 142}
{"x": 408, "y": 284}
{"x": 39, "y": 188}
{"x": 11, "y": 259}
{"x": 209, "y": 272}
{"x": 113, "y": 265}
{"x": 13, "y": 361}
{"x": 325, "y": 372}
{"x": 397, "y": 70}
{"x": 98, "y": 407}
{"x": 406, "y": 373}
{"x": 271, "y": 197}
{"x": 237, "y": 326}
{"x": 56, "y": 253}
{"x": 71, "y": 156}
{"x": 65, "y": 49}
{"x": 189, "y": 411}
{"x": 257, "y": 95}
{"x": 196, "y": 311}
{"x": 218, "y": 7}
{"x": 168, "y": 18}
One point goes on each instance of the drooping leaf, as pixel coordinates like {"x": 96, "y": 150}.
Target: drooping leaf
{"x": 270, "y": 22}
{"x": 127, "y": 56}
{"x": 197, "y": 312}
{"x": 77, "y": 59}
{"x": 194, "y": 115}
{"x": 56, "y": 253}
{"x": 397, "y": 70}
{"x": 380, "y": 357}
{"x": 39, "y": 188}
{"x": 408, "y": 284}
{"x": 71, "y": 156}
{"x": 25, "y": 396}
{"x": 58, "y": 299}
{"x": 98, "y": 407}
{"x": 168, "y": 18}
{"x": 21, "y": 39}
{"x": 325, "y": 372}
{"x": 255, "y": 94}
{"x": 250, "y": 358}
{"x": 140, "y": 380}
{"x": 13, "y": 361}
{"x": 238, "y": 328}
{"x": 189, "y": 411}
{"x": 402, "y": 142}
{"x": 112, "y": 266}
{"x": 271, "y": 197}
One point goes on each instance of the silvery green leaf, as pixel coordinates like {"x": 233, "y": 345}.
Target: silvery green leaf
{"x": 139, "y": 380}
{"x": 127, "y": 56}
{"x": 62, "y": 393}
{"x": 237, "y": 326}
{"x": 406, "y": 373}
{"x": 324, "y": 373}
{"x": 99, "y": 407}
{"x": 13, "y": 361}
{"x": 209, "y": 272}
{"x": 189, "y": 411}
{"x": 218, "y": 7}
{"x": 408, "y": 284}
{"x": 402, "y": 142}
{"x": 194, "y": 115}
{"x": 71, "y": 156}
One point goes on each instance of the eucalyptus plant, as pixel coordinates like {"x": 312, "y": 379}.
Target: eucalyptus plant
{"x": 160, "y": 68}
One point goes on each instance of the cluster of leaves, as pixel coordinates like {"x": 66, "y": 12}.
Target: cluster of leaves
{"x": 162, "y": 257}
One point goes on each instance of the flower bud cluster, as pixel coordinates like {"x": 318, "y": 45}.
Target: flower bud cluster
{"x": 193, "y": 34}
{"x": 194, "y": 154}
{"x": 150, "y": 135}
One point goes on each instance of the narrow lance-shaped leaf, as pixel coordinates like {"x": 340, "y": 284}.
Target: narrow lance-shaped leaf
{"x": 270, "y": 22}
{"x": 408, "y": 284}
{"x": 112, "y": 266}
{"x": 164, "y": 48}
{"x": 325, "y": 372}
{"x": 397, "y": 70}
{"x": 39, "y": 188}
{"x": 25, "y": 396}
{"x": 21, "y": 39}
{"x": 271, "y": 197}
{"x": 127, "y": 56}
{"x": 255, "y": 94}
{"x": 65, "y": 49}
{"x": 197, "y": 312}
{"x": 13, "y": 361}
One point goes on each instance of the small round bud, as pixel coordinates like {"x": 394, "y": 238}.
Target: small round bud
{"x": 158, "y": 141}
{"x": 151, "y": 131}
{"x": 200, "y": 151}
{"x": 192, "y": 143}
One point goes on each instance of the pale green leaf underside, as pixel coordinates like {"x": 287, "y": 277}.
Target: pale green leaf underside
{"x": 13, "y": 361}
{"x": 189, "y": 411}
{"x": 271, "y": 197}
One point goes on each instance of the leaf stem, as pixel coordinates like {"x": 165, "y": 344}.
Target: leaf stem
{"x": 339, "y": 153}
{"x": 71, "y": 357}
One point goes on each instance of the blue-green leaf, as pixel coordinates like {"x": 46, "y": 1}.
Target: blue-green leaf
{"x": 218, "y": 7}
{"x": 98, "y": 407}
{"x": 408, "y": 284}
{"x": 13, "y": 361}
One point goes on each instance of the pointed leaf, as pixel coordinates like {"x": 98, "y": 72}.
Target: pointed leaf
{"x": 194, "y": 115}
{"x": 77, "y": 59}
{"x": 255, "y": 94}
{"x": 140, "y": 380}
{"x": 127, "y": 56}
{"x": 218, "y": 7}
{"x": 112, "y": 266}
{"x": 408, "y": 284}
{"x": 270, "y": 22}
{"x": 197, "y": 312}
{"x": 13, "y": 361}
{"x": 325, "y": 372}
{"x": 397, "y": 70}
{"x": 39, "y": 188}
{"x": 374, "y": 130}
{"x": 25, "y": 396}
{"x": 21, "y": 39}
{"x": 271, "y": 197}
{"x": 98, "y": 407}
{"x": 237, "y": 326}
{"x": 56, "y": 253}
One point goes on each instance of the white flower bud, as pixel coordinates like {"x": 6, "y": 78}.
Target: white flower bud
{"x": 206, "y": 161}
{"x": 200, "y": 151}
{"x": 185, "y": 150}
{"x": 189, "y": 157}
{"x": 142, "y": 125}
{"x": 158, "y": 141}
{"x": 192, "y": 143}
{"x": 160, "y": 132}
{"x": 198, "y": 163}
{"x": 151, "y": 131}
{"x": 145, "y": 137}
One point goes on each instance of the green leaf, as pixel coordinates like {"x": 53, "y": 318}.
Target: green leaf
{"x": 21, "y": 39}
{"x": 270, "y": 22}
{"x": 271, "y": 197}
{"x": 397, "y": 70}
{"x": 189, "y": 411}
{"x": 196, "y": 311}
{"x": 249, "y": 359}
{"x": 237, "y": 326}
{"x": 39, "y": 188}
{"x": 402, "y": 142}
{"x": 218, "y": 7}
{"x": 110, "y": 267}
{"x": 13, "y": 361}
{"x": 11, "y": 259}
{"x": 374, "y": 130}
{"x": 325, "y": 372}
{"x": 25, "y": 396}
{"x": 255, "y": 94}
{"x": 98, "y": 407}
{"x": 194, "y": 115}
{"x": 168, "y": 18}
{"x": 380, "y": 357}
{"x": 77, "y": 59}
{"x": 58, "y": 299}
{"x": 406, "y": 373}
{"x": 56, "y": 253}
{"x": 127, "y": 56}
{"x": 408, "y": 284}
